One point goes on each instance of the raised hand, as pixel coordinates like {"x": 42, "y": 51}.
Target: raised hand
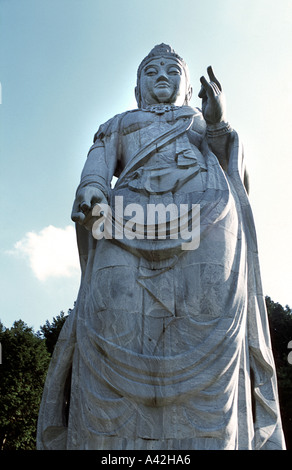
{"x": 213, "y": 99}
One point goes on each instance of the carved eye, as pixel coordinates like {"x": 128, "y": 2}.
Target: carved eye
{"x": 174, "y": 71}
{"x": 150, "y": 71}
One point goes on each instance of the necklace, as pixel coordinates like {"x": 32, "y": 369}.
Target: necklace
{"x": 160, "y": 108}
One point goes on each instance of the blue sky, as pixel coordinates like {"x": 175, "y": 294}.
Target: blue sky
{"x": 69, "y": 65}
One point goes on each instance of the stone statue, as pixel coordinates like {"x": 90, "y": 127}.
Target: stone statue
{"x": 168, "y": 346}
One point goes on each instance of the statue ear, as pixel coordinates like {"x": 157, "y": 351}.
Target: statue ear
{"x": 189, "y": 94}
{"x": 137, "y": 96}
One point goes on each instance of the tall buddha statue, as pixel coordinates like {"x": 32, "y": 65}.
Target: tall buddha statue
{"x": 168, "y": 346}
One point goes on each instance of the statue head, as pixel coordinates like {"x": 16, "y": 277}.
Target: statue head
{"x": 163, "y": 77}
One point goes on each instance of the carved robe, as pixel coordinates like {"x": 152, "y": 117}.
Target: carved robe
{"x": 167, "y": 348}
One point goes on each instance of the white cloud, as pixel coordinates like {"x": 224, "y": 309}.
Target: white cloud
{"x": 52, "y": 252}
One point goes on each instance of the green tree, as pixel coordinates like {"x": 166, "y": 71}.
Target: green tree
{"x": 51, "y": 331}
{"x": 25, "y": 361}
{"x": 280, "y": 320}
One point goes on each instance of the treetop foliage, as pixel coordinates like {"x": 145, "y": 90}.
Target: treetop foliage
{"x": 25, "y": 360}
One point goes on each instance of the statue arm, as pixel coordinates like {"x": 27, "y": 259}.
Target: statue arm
{"x": 218, "y": 137}
{"x": 92, "y": 188}
{"x": 214, "y": 112}
{"x": 96, "y": 177}
{"x": 220, "y": 140}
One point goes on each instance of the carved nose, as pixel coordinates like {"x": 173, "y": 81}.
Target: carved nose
{"x": 162, "y": 77}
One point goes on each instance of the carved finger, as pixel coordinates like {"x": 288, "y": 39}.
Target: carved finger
{"x": 215, "y": 88}
{"x": 78, "y": 217}
{"x": 204, "y": 82}
{"x": 202, "y": 92}
{"x": 213, "y": 78}
{"x": 208, "y": 90}
{"x": 84, "y": 206}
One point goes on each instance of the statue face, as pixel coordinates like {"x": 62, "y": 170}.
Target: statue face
{"x": 163, "y": 81}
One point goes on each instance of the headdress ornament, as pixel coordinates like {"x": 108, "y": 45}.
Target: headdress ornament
{"x": 159, "y": 51}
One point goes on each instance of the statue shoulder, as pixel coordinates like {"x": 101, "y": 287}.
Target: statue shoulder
{"x": 135, "y": 120}
{"x": 113, "y": 125}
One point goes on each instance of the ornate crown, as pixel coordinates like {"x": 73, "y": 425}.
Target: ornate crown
{"x": 161, "y": 50}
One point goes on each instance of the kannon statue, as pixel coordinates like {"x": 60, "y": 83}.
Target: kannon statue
{"x": 168, "y": 346}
